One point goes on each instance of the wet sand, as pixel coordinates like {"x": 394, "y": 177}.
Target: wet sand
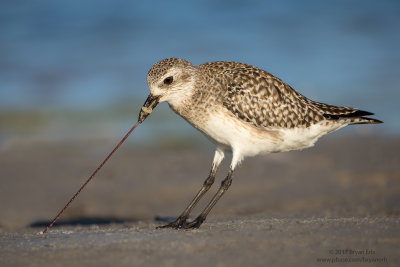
{"x": 338, "y": 201}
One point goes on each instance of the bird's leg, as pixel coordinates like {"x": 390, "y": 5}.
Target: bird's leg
{"x": 181, "y": 220}
{"x": 225, "y": 184}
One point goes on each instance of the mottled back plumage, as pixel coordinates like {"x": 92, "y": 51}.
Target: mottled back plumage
{"x": 258, "y": 97}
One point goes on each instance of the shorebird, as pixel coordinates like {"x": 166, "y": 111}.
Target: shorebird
{"x": 242, "y": 109}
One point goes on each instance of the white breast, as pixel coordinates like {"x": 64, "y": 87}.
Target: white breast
{"x": 230, "y": 132}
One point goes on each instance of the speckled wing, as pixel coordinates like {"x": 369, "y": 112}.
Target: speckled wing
{"x": 258, "y": 97}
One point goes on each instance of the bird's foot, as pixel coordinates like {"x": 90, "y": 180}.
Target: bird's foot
{"x": 177, "y": 224}
{"x": 194, "y": 224}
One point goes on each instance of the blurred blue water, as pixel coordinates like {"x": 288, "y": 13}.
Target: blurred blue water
{"x": 90, "y": 55}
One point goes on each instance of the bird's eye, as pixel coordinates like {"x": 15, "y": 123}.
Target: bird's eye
{"x": 168, "y": 80}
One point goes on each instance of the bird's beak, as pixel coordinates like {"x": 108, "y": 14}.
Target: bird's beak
{"x": 151, "y": 102}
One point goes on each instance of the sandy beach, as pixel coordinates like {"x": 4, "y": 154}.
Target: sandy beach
{"x": 73, "y": 80}
{"x": 334, "y": 203}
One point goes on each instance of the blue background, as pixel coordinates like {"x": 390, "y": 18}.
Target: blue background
{"x": 78, "y": 68}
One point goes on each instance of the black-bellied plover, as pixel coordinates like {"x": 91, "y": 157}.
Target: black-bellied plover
{"x": 242, "y": 109}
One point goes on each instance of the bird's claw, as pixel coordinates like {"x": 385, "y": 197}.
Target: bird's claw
{"x": 195, "y": 224}
{"x": 181, "y": 223}
{"x": 177, "y": 224}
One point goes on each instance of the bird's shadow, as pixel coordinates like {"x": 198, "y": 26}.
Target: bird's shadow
{"x": 85, "y": 221}
{"x": 164, "y": 219}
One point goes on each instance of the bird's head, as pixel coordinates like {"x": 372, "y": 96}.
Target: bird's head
{"x": 170, "y": 80}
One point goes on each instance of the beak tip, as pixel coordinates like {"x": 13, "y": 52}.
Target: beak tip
{"x": 147, "y": 108}
{"x": 143, "y": 115}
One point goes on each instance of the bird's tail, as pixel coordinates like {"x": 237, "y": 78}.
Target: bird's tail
{"x": 356, "y": 117}
{"x": 346, "y": 114}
